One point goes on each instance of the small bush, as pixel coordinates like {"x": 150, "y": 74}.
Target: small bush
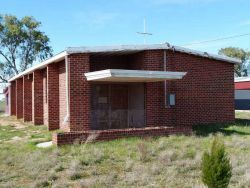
{"x": 74, "y": 171}
{"x": 143, "y": 151}
{"x": 75, "y": 176}
{"x": 216, "y": 166}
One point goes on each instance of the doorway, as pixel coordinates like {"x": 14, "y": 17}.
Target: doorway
{"x": 117, "y": 106}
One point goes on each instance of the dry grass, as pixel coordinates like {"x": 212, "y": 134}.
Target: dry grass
{"x": 172, "y": 161}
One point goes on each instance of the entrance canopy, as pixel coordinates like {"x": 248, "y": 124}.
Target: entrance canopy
{"x": 121, "y": 75}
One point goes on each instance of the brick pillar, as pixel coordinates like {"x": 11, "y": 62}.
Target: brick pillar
{"x": 53, "y": 96}
{"x": 13, "y": 98}
{"x": 27, "y": 98}
{"x": 19, "y": 98}
{"x": 37, "y": 97}
{"x": 79, "y": 92}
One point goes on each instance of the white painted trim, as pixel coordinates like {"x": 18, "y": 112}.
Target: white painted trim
{"x": 121, "y": 75}
{"x": 66, "y": 118}
{"x": 242, "y": 79}
{"x": 42, "y": 65}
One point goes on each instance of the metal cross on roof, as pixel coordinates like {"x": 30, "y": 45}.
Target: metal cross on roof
{"x": 144, "y": 33}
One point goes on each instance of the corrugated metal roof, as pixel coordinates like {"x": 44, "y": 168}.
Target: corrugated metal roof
{"x": 122, "y": 50}
{"x": 125, "y": 49}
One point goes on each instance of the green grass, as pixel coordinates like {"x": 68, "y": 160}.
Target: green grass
{"x": 172, "y": 161}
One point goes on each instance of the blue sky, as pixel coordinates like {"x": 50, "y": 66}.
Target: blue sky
{"x": 112, "y": 22}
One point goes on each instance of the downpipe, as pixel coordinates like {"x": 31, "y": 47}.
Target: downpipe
{"x": 66, "y": 118}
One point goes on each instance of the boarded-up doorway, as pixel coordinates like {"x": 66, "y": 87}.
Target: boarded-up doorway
{"x": 117, "y": 106}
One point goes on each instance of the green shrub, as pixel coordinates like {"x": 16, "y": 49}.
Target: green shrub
{"x": 216, "y": 166}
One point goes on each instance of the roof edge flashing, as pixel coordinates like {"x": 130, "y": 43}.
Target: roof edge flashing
{"x": 58, "y": 57}
{"x": 165, "y": 46}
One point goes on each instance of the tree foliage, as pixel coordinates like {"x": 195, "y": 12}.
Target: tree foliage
{"x": 216, "y": 166}
{"x": 244, "y": 56}
{"x": 21, "y": 44}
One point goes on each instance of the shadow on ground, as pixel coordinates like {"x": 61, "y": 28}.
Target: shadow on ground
{"x": 205, "y": 130}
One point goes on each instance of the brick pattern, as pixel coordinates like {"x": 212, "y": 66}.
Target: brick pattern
{"x": 79, "y": 92}
{"x": 37, "y": 97}
{"x": 155, "y": 112}
{"x": 104, "y": 135}
{"x": 27, "y": 97}
{"x": 53, "y": 96}
{"x": 13, "y": 98}
{"x": 62, "y": 97}
{"x": 206, "y": 93}
{"x": 19, "y": 98}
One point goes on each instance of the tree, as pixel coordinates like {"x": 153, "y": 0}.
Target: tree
{"x": 239, "y": 69}
{"x": 21, "y": 44}
{"x": 216, "y": 166}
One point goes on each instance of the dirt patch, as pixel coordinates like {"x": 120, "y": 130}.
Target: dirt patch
{"x": 16, "y": 139}
{"x": 7, "y": 121}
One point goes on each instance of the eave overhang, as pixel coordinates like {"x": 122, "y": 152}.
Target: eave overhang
{"x": 121, "y": 75}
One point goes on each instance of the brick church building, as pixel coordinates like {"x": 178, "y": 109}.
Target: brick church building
{"x": 127, "y": 90}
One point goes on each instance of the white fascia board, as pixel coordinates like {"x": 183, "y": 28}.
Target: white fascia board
{"x": 42, "y": 65}
{"x": 124, "y": 48}
{"x": 242, "y": 79}
{"x": 121, "y": 75}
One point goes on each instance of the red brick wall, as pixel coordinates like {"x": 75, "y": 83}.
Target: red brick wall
{"x": 62, "y": 96}
{"x": 27, "y": 97}
{"x": 79, "y": 92}
{"x": 53, "y": 96}
{"x": 155, "y": 111}
{"x": 102, "y": 135}
{"x": 19, "y": 98}
{"x": 204, "y": 95}
{"x": 13, "y": 98}
{"x": 37, "y": 97}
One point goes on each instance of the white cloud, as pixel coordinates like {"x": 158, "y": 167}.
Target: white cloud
{"x": 180, "y": 1}
{"x": 208, "y": 47}
{"x": 95, "y": 18}
{"x": 245, "y": 22}
{"x": 214, "y": 46}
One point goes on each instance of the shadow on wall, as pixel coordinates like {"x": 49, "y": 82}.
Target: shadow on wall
{"x": 226, "y": 128}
